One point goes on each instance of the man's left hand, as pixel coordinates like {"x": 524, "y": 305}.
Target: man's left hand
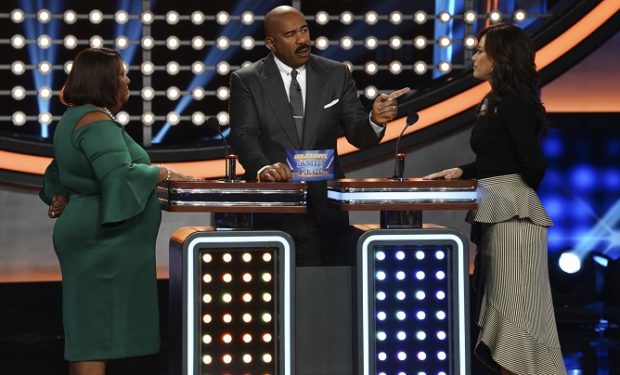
{"x": 384, "y": 108}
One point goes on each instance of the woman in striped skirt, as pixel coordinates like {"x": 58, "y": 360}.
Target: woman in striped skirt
{"x": 518, "y": 333}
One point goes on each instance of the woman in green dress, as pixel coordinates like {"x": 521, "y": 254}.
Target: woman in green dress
{"x": 101, "y": 187}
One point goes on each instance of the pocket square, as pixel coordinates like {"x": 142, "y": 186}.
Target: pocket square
{"x": 331, "y": 104}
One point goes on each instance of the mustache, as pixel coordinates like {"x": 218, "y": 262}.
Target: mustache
{"x": 302, "y": 47}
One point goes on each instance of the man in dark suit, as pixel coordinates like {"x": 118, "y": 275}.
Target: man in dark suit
{"x": 293, "y": 100}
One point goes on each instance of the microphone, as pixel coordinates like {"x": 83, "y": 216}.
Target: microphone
{"x": 399, "y": 161}
{"x": 230, "y": 159}
{"x": 214, "y": 124}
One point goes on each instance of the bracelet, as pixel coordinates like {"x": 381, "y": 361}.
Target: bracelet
{"x": 168, "y": 173}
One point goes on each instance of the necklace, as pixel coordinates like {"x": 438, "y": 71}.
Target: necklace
{"x": 107, "y": 112}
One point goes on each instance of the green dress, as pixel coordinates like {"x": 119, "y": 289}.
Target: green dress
{"x": 105, "y": 239}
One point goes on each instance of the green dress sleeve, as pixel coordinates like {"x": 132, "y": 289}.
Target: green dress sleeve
{"x": 51, "y": 183}
{"x": 125, "y": 186}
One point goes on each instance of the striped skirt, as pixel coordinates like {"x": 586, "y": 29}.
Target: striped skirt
{"x": 517, "y": 324}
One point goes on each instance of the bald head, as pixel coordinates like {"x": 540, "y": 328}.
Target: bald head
{"x": 287, "y": 35}
{"x": 274, "y": 15}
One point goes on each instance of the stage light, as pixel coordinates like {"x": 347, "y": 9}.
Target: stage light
{"x": 222, "y": 17}
{"x": 247, "y": 43}
{"x": 197, "y": 17}
{"x": 420, "y": 42}
{"x": 396, "y": 42}
{"x": 222, "y": 93}
{"x": 147, "y": 42}
{"x": 198, "y": 67}
{"x": 121, "y": 17}
{"x": 44, "y": 41}
{"x": 172, "y": 68}
{"x": 444, "y": 41}
{"x": 420, "y": 67}
{"x": 45, "y": 93}
{"x": 395, "y": 67}
{"x": 346, "y": 43}
{"x": 321, "y": 43}
{"x": 44, "y": 16}
{"x": 223, "y": 68}
{"x": 198, "y": 43}
{"x": 371, "y": 17}
{"x": 519, "y": 15}
{"x": 247, "y": 18}
{"x": 396, "y": 17}
{"x": 96, "y": 41}
{"x": 371, "y": 42}
{"x": 172, "y": 17}
{"x": 495, "y": 16}
{"x": 69, "y": 16}
{"x": 198, "y": 118}
{"x": 17, "y": 16}
{"x": 44, "y": 67}
{"x": 147, "y": 68}
{"x": 68, "y": 66}
{"x": 470, "y": 17}
{"x": 222, "y": 43}
{"x": 173, "y": 42}
{"x": 223, "y": 118}
{"x": 18, "y": 41}
{"x": 147, "y": 17}
{"x": 147, "y": 93}
{"x": 18, "y": 93}
{"x": 444, "y": 67}
{"x": 18, "y": 68}
{"x": 121, "y": 42}
{"x": 122, "y": 118}
{"x": 420, "y": 17}
{"x": 18, "y": 118}
{"x": 173, "y": 93}
{"x": 371, "y": 68}
{"x": 569, "y": 262}
{"x": 95, "y": 16}
{"x": 444, "y": 17}
{"x": 346, "y": 18}
{"x": 370, "y": 92}
{"x": 70, "y": 42}
{"x": 321, "y": 17}
{"x": 173, "y": 118}
{"x": 147, "y": 118}
{"x": 45, "y": 118}
{"x": 198, "y": 93}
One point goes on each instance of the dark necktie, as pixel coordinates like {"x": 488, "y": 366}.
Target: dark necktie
{"x": 297, "y": 104}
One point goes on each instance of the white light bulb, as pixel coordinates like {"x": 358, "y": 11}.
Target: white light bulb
{"x": 173, "y": 118}
{"x": 495, "y": 16}
{"x": 44, "y": 16}
{"x": 371, "y": 68}
{"x": 346, "y": 18}
{"x": 470, "y": 16}
{"x": 420, "y": 42}
{"x": 222, "y": 43}
{"x": 198, "y": 118}
{"x": 147, "y": 93}
{"x": 222, "y": 117}
{"x": 198, "y": 67}
{"x": 445, "y": 17}
{"x": 122, "y": 117}
{"x": 17, "y": 16}
{"x": 247, "y": 18}
{"x": 444, "y": 41}
{"x": 45, "y": 92}
{"x": 321, "y": 17}
{"x": 173, "y": 43}
{"x": 44, "y": 67}
{"x": 68, "y": 66}
{"x": 121, "y": 42}
{"x": 198, "y": 42}
{"x": 396, "y": 42}
{"x": 321, "y": 43}
{"x": 198, "y": 93}
{"x": 172, "y": 17}
{"x": 147, "y": 42}
{"x": 95, "y": 16}
{"x": 69, "y": 16}
{"x": 420, "y": 17}
{"x": 147, "y": 118}
{"x": 121, "y": 17}
{"x": 444, "y": 67}
{"x": 469, "y": 42}
{"x": 18, "y": 118}
{"x": 222, "y": 17}
{"x": 371, "y": 42}
{"x": 96, "y": 41}
{"x": 70, "y": 42}
{"x": 223, "y": 93}
{"x": 396, "y": 17}
{"x": 370, "y": 92}
{"x": 18, "y": 68}
{"x": 173, "y": 93}
{"x": 172, "y": 68}
{"x": 420, "y": 67}
{"x": 197, "y": 17}
{"x": 395, "y": 67}
{"x": 519, "y": 15}
{"x": 147, "y": 68}
{"x": 44, "y": 41}
{"x": 45, "y": 118}
{"x": 147, "y": 17}
{"x": 223, "y": 68}
{"x": 371, "y": 17}
{"x": 346, "y": 43}
{"x": 18, "y": 93}
{"x": 18, "y": 41}
{"x": 247, "y": 43}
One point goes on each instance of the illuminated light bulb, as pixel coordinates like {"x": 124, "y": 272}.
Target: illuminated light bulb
{"x": 227, "y": 277}
{"x": 381, "y": 336}
{"x": 17, "y": 16}
{"x": 381, "y": 315}
{"x": 147, "y": 68}
{"x": 420, "y": 17}
{"x": 267, "y": 337}
{"x": 371, "y": 17}
{"x": 401, "y": 356}
{"x": 122, "y": 42}
{"x": 246, "y": 277}
{"x": 68, "y": 66}
{"x": 401, "y": 295}
{"x": 207, "y": 258}
{"x": 222, "y": 68}
{"x": 173, "y": 42}
{"x": 400, "y": 275}
{"x": 247, "y": 358}
{"x": 173, "y": 93}
{"x": 147, "y": 42}
{"x": 346, "y": 43}
{"x": 207, "y": 339}
{"x": 519, "y": 15}
{"x": 44, "y": 67}
{"x": 207, "y": 298}
{"x": 470, "y": 16}
{"x": 440, "y": 255}
{"x": 421, "y": 356}
{"x": 395, "y": 67}
{"x": 396, "y": 17}
{"x": 396, "y": 42}
{"x": 420, "y": 42}
{"x": 401, "y": 315}
{"x": 401, "y": 335}
{"x": 227, "y": 318}
{"x": 222, "y": 18}
{"x": 223, "y": 93}
{"x": 444, "y": 41}
{"x": 222, "y": 43}
{"x": 122, "y": 117}
{"x": 247, "y": 18}
{"x": 440, "y": 295}
{"x": 18, "y": 118}
{"x": 147, "y": 118}
{"x": 321, "y": 17}
{"x": 44, "y": 16}
{"x": 247, "y": 338}
{"x": 95, "y": 16}
{"x": 227, "y": 258}
{"x": 266, "y": 317}
{"x": 121, "y": 17}
{"x": 147, "y": 93}
{"x": 267, "y": 257}
{"x": 266, "y": 277}
{"x": 207, "y": 278}
{"x": 380, "y": 255}
{"x": 444, "y": 17}
{"x": 346, "y": 18}
{"x": 172, "y": 68}
{"x": 420, "y": 335}
{"x": 247, "y": 317}
{"x": 44, "y": 41}
{"x": 45, "y": 92}
{"x": 96, "y": 41}
{"x": 420, "y": 295}
{"x": 198, "y": 93}
{"x": 321, "y": 43}
{"x": 380, "y": 274}
{"x": 421, "y": 315}
{"x": 207, "y": 359}
{"x": 246, "y": 257}
{"x": 227, "y": 338}
{"x": 197, "y": 17}
{"x": 70, "y": 42}
{"x": 381, "y": 296}
{"x": 400, "y": 255}
{"x": 420, "y": 275}
{"x": 18, "y": 41}
{"x": 440, "y": 275}
{"x": 247, "y": 297}
{"x": 440, "y": 315}
{"x": 18, "y": 93}
{"x": 371, "y": 68}
{"x": 198, "y": 43}
{"x": 198, "y": 67}
{"x": 469, "y": 42}
{"x": 419, "y": 255}
{"x": 267, "y": 358}
{"x": 147, "y": 17}
{"x": 267, "y": 297}
{"x": 69, "y": 16}
{"x": 172, "y": 17}
{"x": 247, "y": 43}
{"x": 495, "y": 16}
{"x": 382, "y": 356}
{"x": 45, "y": 118}
{"x": 227, "y": 358}
{"x": 371, "y": 42}
{"x": 172, "y": 118}
{"x": 198, "y": 118}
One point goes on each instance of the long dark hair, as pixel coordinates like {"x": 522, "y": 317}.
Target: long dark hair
{"x": 94, "y": 78}
{"x": 514, "y": 71}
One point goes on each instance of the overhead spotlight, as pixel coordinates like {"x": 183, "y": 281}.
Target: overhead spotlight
{"x": 68, "y": 66}
{"x": 147, "y": 118}
{"x": 371, "y": 17}
{"x": 18, "y": 68}
{"x": 346, "y": 42}
{"x": 172, "y": 68}
{"x": 70, "y": 42}
{"x": 121, "y": 42}
{"x": 321, "y": 17}
{"x": 470, "y": 16}
{"x": 396, "y": 17}
{"x": 121, "y": 17}
{"x": 444, "y": 41}
{"x": 198, "y": 67}
{"x": 395, "y": 67}
{"x": 147, "y": 42}
{"x": 495, "y": 16}
{"x": 44, "y": 41}
{"x": 247, "y": 18}
{"x": 198, "y": 118}
{"x": 223, "y": 118}
{"x": 197, "y": 17}
{"x": 222, "y": 17}
{"x": 173, "y": 42}
{"x": 223, "y": 93}
{"x": 17, "y": 16}
{"x": 45, "y": 118}
{"x": 370, "y": 92}
{"x": 147, "y": 17}
{"x": 172, "y": 17}
{"x": 173, "y": 93}
{"x": 18, "y": 41}
{"x": 69, "y": 16}
{"x": 44, "y": 16}
{"x": 247, "y": 43}
{"x": 96, "y": 41}
{"x": 371, "y": 68}
{"x": 519, "y": 15}
{"x": 396, "y": 42}
{"x": 198, "y": 93}
{"x": 44, "y": 67}
{"x": 95, "y": 16}
{"x": 122, "y": 117}
{"x": 18, "y": 93}
{"x": 321, "y": 43}
{"x": 223, "y": 68}
{"x": 420, "y": 17}
{"x": 469, "y": 42}
{"x": 173, "y": 118}
{"x": 371, "y": 42}
{"x": 222, "y": 43}
{"x": 346, "y": 18}
{"x": 444, "y": 17}
{"x": 18, "y": 118}
{"x": 147, "y": 93}
{"x": 147, "y": 68}
{"x": 349, "y": 65}
{"x": 420, "y": 42}
{"x": 45, "y": 93}
{"x": 569, "y": 262}
{"x": 444, "y": 67}
{"x": 198, "y": 42}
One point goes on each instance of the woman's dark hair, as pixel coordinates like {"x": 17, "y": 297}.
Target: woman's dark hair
{"x": 514, "y": 71}
{"x": 94, "y": 78}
